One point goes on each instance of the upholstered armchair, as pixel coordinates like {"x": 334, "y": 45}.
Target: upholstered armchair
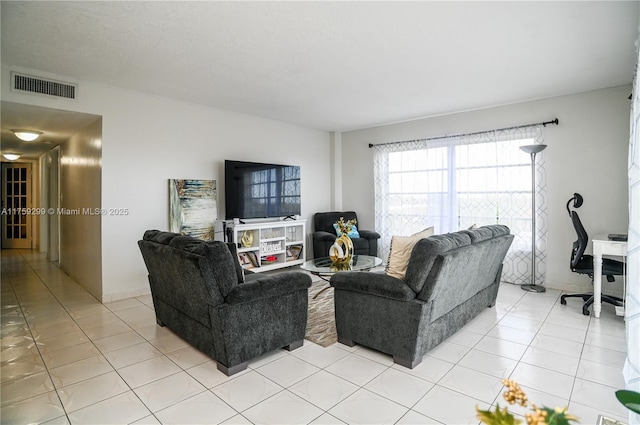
{"x": 199, "y": 292}
{"x": 324, "y": 234}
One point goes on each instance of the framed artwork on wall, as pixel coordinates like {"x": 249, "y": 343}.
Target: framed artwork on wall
{"x": 193, "y": 207}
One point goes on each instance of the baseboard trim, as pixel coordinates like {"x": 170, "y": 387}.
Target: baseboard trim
{"x": 608, "y": 288}
{"x": 123, "y": 295}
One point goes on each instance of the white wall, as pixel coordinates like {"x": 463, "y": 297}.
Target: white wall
{"x": 587, "y": 154}
{"x": 147, "y": 140}
{"x": 80, "y": 235}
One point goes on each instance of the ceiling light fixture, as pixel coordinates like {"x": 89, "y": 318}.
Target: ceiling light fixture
{"x": 11, "y": 156}
{"x": 27, "y": 135}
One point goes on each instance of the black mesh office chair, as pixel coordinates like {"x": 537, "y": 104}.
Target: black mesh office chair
{"x": 583, "y": 264}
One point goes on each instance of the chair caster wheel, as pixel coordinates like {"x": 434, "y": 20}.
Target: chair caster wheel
{"x": 585, "y": 312}
{"x": 563, "y": 301}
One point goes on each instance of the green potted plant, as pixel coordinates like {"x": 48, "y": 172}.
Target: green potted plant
{"x": 629, "y": 399}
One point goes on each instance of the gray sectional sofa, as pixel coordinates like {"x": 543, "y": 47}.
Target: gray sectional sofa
{"x": 450, "y": 279}
{"x": 199, "y": 292}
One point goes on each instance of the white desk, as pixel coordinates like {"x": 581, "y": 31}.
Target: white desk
{"x": 602, "y": 245}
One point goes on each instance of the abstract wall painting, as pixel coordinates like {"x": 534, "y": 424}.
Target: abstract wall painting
{"x": 193, "y": 207}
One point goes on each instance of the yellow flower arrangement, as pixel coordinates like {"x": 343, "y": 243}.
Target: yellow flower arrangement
{"x": 537, "y": 415}
{"x": 345, "y": 226}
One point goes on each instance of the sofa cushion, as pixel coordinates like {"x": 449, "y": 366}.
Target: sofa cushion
{"x": 425, "y": 252}
{"x": 499, "y": 229}
{"x": 218, "y": 255}
{"x": 360, "y": 246}
{"x": 479, "y": 234}
{"x": 269, "y": 286}
{"x": 484, "y": 233}
{"x": 373, "y": 283}
{"x": 159, "y": 236}
{"x": 400, "y": 252}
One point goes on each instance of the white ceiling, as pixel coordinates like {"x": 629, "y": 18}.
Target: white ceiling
{"x": 333, "y": 66}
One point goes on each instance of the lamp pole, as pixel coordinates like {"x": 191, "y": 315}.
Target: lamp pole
{"x": 533, "y": 150}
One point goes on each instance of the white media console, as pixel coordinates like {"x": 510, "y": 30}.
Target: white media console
{"x": 265, "y": 245}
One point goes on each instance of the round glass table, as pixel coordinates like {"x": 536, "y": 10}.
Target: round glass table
{"x": 324, "y": 268}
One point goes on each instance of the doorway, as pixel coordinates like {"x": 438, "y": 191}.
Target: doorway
{"x": 17, "y": 211}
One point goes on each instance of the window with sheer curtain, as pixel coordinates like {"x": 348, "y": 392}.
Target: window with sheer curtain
{"x": 455, "y": 182}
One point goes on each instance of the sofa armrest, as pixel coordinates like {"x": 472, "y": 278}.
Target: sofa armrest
{"x": 369, "y": 234}
{"x": 321, "y": 235}
{"x": 378, "y": 284}
{"x": 269, "y": 286}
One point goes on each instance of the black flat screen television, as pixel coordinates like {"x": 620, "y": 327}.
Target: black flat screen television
{"x": 258, "y": 190}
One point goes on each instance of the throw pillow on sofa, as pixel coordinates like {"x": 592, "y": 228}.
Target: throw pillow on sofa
{"x": 353, "y": 233}
{"x": 400, "y": 252}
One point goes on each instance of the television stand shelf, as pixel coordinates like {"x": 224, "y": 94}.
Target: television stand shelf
{"x": 267, "y": 245}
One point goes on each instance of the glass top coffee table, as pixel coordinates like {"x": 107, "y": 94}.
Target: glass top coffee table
{"x": 323, "y": 265}
{"x": 324, "y": 268}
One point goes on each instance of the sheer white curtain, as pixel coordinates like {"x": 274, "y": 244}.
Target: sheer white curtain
{"x": 455, "y": 182}
{"x": 632, "y": 299}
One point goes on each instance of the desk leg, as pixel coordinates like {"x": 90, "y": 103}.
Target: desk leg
{"x": 597, "y": 285}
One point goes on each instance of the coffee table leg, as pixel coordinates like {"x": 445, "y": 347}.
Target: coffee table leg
{"x": 323, "y": 289}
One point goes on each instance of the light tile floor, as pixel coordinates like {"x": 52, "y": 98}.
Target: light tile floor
{"x": 66, "y": 358}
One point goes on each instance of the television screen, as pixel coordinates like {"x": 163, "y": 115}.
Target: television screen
{"x": 257, "y": 190}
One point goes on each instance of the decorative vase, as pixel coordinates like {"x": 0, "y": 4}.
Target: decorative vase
{"x": 341, "y": 252}
{"x": 335, "y": 252}
{"x": 247, "y": 239}
{"x": 340, "y": 267}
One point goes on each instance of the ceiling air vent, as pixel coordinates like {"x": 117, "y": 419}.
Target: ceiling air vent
{"x": 29, "y": 84}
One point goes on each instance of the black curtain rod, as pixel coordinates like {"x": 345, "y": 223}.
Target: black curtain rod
{"x": 545, "y": 123}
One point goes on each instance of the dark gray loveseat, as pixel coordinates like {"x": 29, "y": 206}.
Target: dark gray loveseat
{"x": 198, "y": 292}
{"x": 450, "y": 279}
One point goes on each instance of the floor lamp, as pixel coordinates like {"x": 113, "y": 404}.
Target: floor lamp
{"x": 533, "y": 150}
